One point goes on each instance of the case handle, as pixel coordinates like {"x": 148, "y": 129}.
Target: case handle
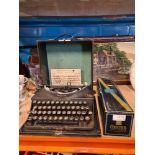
{"x": 65, "y": 35}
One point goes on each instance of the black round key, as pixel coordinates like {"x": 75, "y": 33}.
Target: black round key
{"x": 66, "y": 102}
{"x": 87, "y": 118}
{"x": 61, "y": 102}
{"x": 44, "y": 107}
{"x": 52, "y": 102}
{"x": 73, "y": 112}
{"x": 47, "y": 102}
{"x": 53, "y": 112}
{"x": 76, "y": 118}
{"x": 84, "y": 102}
{"x": 53, "y": 107}
{"x": 84, "y": 112}
{"x": 87, "y": 107}
{"x": 90, "y": 112}
{"x": 81, "y": 118}
{"x": 35, "y": 107}
{"x": 40, "y": 118}
{"x": 45, "y": 118}
{"x": 39, "y": 102}
{"x": 50, "y": 118}
{"x": 49, "y": 112}
{"x": 75, "y": 102}
{"x": 43, "y": 112}
{"x": 79, "y": 112}
{"x": 64, "y": 112}
{"x": 43, "y": 102}
{"x": 35, "y": 117}
{"x": 58, "y": 107}
{"x": 29, "y": 118}
{"x": 58, "y": 112}
{"x": 80, "y": 102}
{"x": 63, "y": 107}
{"x": 82, "y": 107}
{"x": 73, "y": 107}
{"x": 68, "y": 112}
{"x": 68, "y": 107}
{"x": 71, "y": 118}
{"x": 57, "y": 102}
{"x": 71, "y": 102}
{"x": 55, "y": 118}
{"x": 60, "y": 118}
{"x": 39, "y": 107}
{"x": 49, "y": 107}
{"x": 39, "y": 112}
{"x": 65, "y": 118}
{"x": 34, "y": 112}
{"x": 78, "y": 107}
{"x": 34, "y": 101}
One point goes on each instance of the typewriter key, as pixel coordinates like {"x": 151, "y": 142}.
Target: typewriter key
{"x": 35, "y": 107}
{"x": 87, "y": 118}
{"x": 84, "y": 102}
{"x": 61, "y": 102}
{"x": 53, "y": 112}
{"x": 73, "y": 112}
{"x": 75, "y": 102}
{"x": 71, "y": 118}
{"x": 60, "y": 118}
{"x": 66, "y": 102}
{"x": 55, "y": 118}
{"x": 68, "y": 107}
{"x": 59, "y": 112}
{"x": 63, "y": 107}
{"x": 82, "y": 107}
{"x": 50, "y": 118}
{"x": 53, "y": 107}
{"x": 87, "y": 107}
{"x": 57, "y": 102}
{"x": 58, "y": 107}
{"x": 40, "y": 118}
{"x": 68, "y": 112}
{"x": 44, "y": 107}
{"x": 48, "y": 102}
{"x": 80, "y": 102}
{"x": 29, "y": 118}
{"x": 84, "y": 112}
{"x": 52, "y": 102}
{"x": 39, "y": 112}
{"x": 90, "y": 112}
{"x": 38, "y": 102}
{"x": 71, "y": 102}
{"x": 44, "y": 112}
{"x": 49, "y": 112}
{"x": 45, "y": 118}
{"x": 35, "y": 117}
{"x": 43, "y": 102}
{"x": 73, "y": 107}
{"x": 34, "y": 112}
{"x": 49, "y": 107}
{"x": 63, "y": 112}
{"x": 77, "y": 107}
{"x": 66, "y": 118}
{"x": 81, "y": 118}
{"x": 76, "y": 118}
{"x": 39, "y": 107}
{"x": 79, "y": 112}
{"x": 34, "y": 101}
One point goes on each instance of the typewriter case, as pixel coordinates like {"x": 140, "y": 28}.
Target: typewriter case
{"x": 74, "y": 54}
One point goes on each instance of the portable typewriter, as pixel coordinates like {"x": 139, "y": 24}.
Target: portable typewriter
{"x": 66, "y": 104}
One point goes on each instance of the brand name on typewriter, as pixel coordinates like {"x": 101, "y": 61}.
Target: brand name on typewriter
{"x": 117, "y": 128}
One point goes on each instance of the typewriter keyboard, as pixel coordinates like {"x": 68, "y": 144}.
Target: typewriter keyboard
{"x": 64, "y": 114}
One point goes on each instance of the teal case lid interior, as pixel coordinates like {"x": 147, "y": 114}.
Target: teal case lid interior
{"x": 65, "y": 55}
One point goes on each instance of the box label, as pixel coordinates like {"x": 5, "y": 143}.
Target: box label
{"x": 119, "y": 117}
{"x": 65, "y": 77}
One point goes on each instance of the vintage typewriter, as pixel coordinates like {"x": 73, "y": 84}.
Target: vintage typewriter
{"x": 66, "y": 104}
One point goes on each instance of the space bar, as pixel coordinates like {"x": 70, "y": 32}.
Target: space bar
{"x": 57, "y": 123}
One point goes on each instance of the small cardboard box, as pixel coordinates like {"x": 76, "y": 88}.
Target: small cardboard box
{"x": 117, "y": 115}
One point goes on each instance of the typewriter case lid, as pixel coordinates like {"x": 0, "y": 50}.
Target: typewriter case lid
{"x": 75, "y": 54}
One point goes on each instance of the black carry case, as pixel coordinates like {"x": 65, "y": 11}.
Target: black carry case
{"x": 57, "y": 58}
{"x": 117, "y": 115}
